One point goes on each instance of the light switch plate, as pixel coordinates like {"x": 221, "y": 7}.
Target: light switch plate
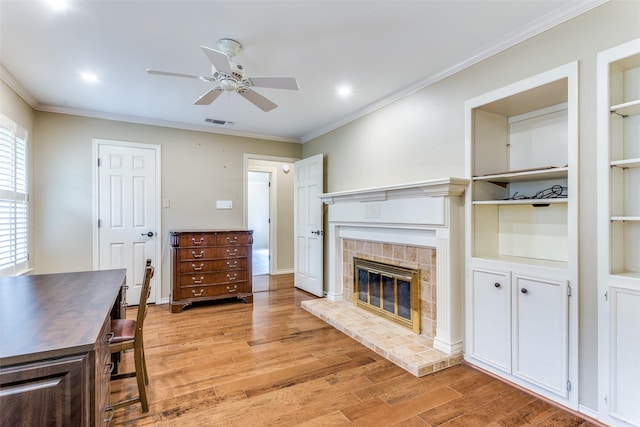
{"x": 224, "y": 204}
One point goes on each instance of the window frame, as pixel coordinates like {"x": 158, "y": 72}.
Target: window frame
{"x": 14, "y": 198}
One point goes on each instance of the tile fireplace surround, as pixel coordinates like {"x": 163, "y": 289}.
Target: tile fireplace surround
{"x": 416, "y": 225}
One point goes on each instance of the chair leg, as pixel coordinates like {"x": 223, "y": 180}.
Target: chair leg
{"x": 144, "y": 363}
{"x": 141, "y": 380}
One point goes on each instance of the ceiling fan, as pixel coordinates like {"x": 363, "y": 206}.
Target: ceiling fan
{"x": 229, "y": 77}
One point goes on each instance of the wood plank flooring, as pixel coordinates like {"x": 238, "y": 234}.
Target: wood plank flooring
{"x": 272, "y": 363}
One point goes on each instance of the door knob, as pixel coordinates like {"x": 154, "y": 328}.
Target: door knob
{"x": 318, "y": 232}
{"x": 149, "y": 234}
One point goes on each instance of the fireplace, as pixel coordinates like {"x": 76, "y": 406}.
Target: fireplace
{"x": 417, "y": 226}
{"x": 389, "y": 291}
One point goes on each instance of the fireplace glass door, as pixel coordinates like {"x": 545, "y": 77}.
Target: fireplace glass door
{"x": 389, "y": 291}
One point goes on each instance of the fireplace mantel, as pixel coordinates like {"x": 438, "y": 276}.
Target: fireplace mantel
{"x": 435, "y": 187}
{"x": 425, "y": 213}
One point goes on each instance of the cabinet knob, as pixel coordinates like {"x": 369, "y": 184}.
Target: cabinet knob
{"x": 497, "y": 285}
{"x": 524, "y": 291}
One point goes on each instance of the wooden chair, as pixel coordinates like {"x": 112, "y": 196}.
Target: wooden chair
{"x": 127, "y": 335}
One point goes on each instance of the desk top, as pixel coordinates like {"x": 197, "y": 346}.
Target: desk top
{"x": 52, "y": 315}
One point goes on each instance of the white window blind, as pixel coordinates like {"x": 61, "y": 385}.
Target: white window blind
{"x": 14, "y": 199}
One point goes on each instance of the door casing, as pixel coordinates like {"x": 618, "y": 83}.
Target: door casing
{"x": 157, "y": 292}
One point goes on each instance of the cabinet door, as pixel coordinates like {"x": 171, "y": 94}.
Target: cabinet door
{"x": 540, "y": 326}
{"x": 490, "y": 325}
{"x": 52, "y": 392}
{"x": 624, "y": 351}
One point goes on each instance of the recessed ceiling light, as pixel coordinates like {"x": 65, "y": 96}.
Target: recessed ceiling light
{"x": 89, "y": 77}
{"x": 58, "y": 5}
{"x": 344, "y": 91}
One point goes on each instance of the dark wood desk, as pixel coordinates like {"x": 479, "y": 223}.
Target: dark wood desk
{"x": 54, "y": 347}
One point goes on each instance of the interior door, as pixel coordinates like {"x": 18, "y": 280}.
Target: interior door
{"x": 127, "y": 209}
{"x": 308, "y": 245}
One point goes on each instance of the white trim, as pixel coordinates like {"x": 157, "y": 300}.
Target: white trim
{"x": 273, "y": 196}
{"x": 273, "y": 211}
{"x": 163, "y": 123}
{"x": 95, "y": 203}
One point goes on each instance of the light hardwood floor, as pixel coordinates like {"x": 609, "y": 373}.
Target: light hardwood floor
{"x": 272, "y": 363}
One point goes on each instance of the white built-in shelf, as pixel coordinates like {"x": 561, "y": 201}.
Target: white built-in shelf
{"x": 555, "y": 200}
{"x": 538, "y": 262}
{"x": 627, "y": 274}
{"x": 627, "y": 163}
{"x": 527, "y": 175}
{"x": 625, "y": 218}
{"x": 627, "y": 109}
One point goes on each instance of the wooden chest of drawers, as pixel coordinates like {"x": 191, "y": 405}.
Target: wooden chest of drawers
{"x": 210, "y": 264}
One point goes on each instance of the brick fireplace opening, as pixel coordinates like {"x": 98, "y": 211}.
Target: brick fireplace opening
{"x": 411, "y": 257}
{"x": 417, "y": 226}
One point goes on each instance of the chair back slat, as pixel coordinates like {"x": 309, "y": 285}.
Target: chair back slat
{"x": 144, "y": 297}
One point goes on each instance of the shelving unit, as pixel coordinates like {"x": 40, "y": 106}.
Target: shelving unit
{"x": 619, "y": 234}
{"x": 521, "y": 233}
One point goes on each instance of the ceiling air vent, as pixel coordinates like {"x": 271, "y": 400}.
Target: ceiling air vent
{"x": 218, "y": 122}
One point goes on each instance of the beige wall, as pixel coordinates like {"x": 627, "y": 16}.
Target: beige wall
{"x": 197, "y": 169}
{"x": 422, "y": 137}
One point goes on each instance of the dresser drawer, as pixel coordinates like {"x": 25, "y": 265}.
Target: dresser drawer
{"x": 212, "y": 253}
{"x": 230, "y": 289}
{"x": 209, "y": 278}
{"x": 196, "y": 239}
{"x": 213, "y": 265}
{"x": 224, "y": 239}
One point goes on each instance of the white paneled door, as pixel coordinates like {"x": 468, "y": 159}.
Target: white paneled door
{"x": 127, "y": 209}
{"x": 308, "y": 246}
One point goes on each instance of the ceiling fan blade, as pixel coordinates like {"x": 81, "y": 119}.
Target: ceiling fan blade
{"x": 168, "y": 73}
{"x": 258, "y": 100}
{"x": 209, "y": 96}
{"x": 219, "y": 60}
{"x": 275, "y": 82}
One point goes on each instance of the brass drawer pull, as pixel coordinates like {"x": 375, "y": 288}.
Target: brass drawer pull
{"x": 232, "y": 264}
{"x": 197, "y": 255}
{"x": 109, "y": 368}
{"x": 196, "y": 281}
{"x": 235, "y": 288}
{"x": 110, "y": 410}
{"x": 232, "y": 252}
{"x": 235, "y": 276}
{"x": 198, "y": 242}
{"x": 197, "y": 268}
{"x": 234, "y": 240}
{"x": 198, "y": 294}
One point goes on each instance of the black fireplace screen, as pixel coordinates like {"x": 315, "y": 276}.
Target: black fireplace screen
{"x": 388, "y": 290}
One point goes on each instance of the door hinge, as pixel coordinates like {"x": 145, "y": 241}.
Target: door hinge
{"x": 606, "y": 296}
{"x": 99, "y": 223}
{"x": 605, "y": 399}
{"x": 568, "y": 290}
{"x": 568, "y": 385}
{"x": 98, "y": 161}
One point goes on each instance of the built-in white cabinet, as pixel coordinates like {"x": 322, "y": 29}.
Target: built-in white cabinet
{"x": 619, "y": 234}
{"x": 521, "y": 233}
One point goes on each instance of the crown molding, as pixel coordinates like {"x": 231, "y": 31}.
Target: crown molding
{"x": 14, "y": 84}
{"x": 571, "y": 11}
{"x": 161, "y": 123}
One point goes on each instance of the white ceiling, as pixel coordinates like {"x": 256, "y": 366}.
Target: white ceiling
{"x": 383, "y": 49}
